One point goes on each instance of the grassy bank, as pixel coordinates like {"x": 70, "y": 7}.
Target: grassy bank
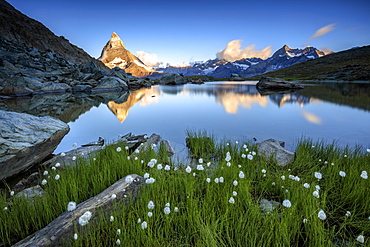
{"x": 214, "y": 202}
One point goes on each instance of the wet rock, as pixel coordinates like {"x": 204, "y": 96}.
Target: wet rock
{"x": 273, "y": 148}
{"x": 172, "y": 79}
{"x": 26, "y": 140}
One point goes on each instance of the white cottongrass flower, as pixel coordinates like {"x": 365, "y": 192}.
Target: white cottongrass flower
{"x": 152, "y": 162}
{"x": 209, "y": 164}
{"x": 235, "y": 193}
{"x": 111, "y": 219}
{"x": 126, "y": 147}
{"x": 146, "y": 175}
{"x": 129, "y": 179}
{"x": 332, "y": 164}
{"x": 150, "y": 180}
{"x": 168, "y": 204}
{"x": 136, "y": 158}
{"x": 118, "y": 231}
{"x": 71, "y": 206}
{"x": 296, "y": 178}
{"x": 321, "y": 215}
{"x": 241, "y": 174}
{"x": 316, "y": 194}
{"x": 235, "y": 183}
{"x": 232, "y": 200}
{"x": 194, "y": 174}
{"x": 84, "y": 219}
{"x": 200, "y": 161}
{"x": 53, "y": 168}
{"x": 208, "y": 180}
{"x": 287, "y": 203}
{"x": 137, "y": 151}
{"x": 159, "y": 166}
{"x": 5, "y": 208}
{"x": 342, "y": 174}
{"x": 75, "y": 236}
{"x": 139, "y": 221}
{"x": 245, "y": 146}
{"x": 150, "y": 214}
{"x": 273, "y": 183}
{"x": 151, "y": 205}
{"x": 74, "y": 158}
{"x": 62, "y": 154}
{"x": 57, "y": 164}
{"x": 368, "y": 150}
{"x": 144, "y": 225}
{"x": 128, "y": 157}
{"x": 228, "y": 157}
{"x": 250, "y": 157}
{"x": 360, "y": 239}
{"x": 188, "y": 169}
{"x": 221, "y": 179}
{"x": 228, "y": 164}
{"x": 57, "y": 177}
{"x": 364, "y": 174}
{"x": 263, "y": 171}
{"x": 45, "y": 173}
{"x": 118, "y": 242}
{"x": 200, "y": 167}
{"x": 217, "y": 180}
{"x": 167, "y": 210}
{"x": 167, "y": 168}
{"x": 348, "y": 213}
{"x": 113, "y": 196}
{"x": 118, "y": 149}
{"x": 176, "y": 209}
{"x": 306, "y": 185}
{"x": 12, "y": 193}
{"x": 318, "y": 175}
{"x": 305, "y": 221}
{"x": 44, "y": 181}
{"x": 253, "y": 153}
{"x": 244, "y": 156}
{"x": 283, "y": 177}
{"x": 317, "y": 187}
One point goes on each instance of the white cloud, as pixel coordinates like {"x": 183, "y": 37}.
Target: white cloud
{"x": 233, "y": 52}
{"x": 150, "y": 60}
{"x": 322, "y": 31}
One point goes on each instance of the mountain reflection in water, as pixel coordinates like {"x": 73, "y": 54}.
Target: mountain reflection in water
{"x": 232, "y": 110}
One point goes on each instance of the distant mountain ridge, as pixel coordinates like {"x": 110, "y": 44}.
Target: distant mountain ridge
{"x": 248, "y": 67}
{"x": 115, "y": 54}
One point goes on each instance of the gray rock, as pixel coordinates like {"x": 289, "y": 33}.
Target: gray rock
{"x": 269, "y": 85}
{"x": 26, "y": 140}
{"x": 82, "y": 88}
{"x": 24, "y": 183}
{"x": 118, "y": 72}
{"x": 89, "y": 67}
{"x": 168, "y": 147}
{"x": 32, "y": 192}
{"x": 172, "y": 79}
{"x": 268, "y": 206}
{"x": 273, "y": 148}
{"x": 110, "y": 83}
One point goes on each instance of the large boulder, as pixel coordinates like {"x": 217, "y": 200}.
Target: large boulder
{"x": 275, "y": 149}
{"x": 110, "y": 84}
{"x": 172, "y": 79}
{"x": 270, "y": 85}
{"x": 26, "y": 140}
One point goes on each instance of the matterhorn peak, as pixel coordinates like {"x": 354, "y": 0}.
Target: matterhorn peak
{"x": 115, "y": 41}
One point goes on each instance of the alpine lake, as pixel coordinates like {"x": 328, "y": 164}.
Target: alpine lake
{"x": 235, "y": 111}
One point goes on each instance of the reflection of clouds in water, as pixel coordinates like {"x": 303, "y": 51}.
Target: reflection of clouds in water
{"x": 151, "y": 95}
{"x": 310, "y": 117}
{"x": 231, "y": 101}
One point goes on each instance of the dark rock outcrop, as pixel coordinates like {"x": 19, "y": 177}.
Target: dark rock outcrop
{"x": 269, "y": 85}
{"x": 172, "y": 79}
{"x": 26, "y": 140}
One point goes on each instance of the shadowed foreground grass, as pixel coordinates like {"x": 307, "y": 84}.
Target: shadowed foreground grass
{"x": 213, "y": 202}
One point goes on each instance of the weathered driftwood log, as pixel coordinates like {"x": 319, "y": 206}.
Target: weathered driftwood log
{"x": 62, "y": 228}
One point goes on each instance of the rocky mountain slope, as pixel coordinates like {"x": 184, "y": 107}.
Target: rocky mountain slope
{"x": 349, "y": 65}
{"x": 19, "y": 28}
{"x": 115, "y": 54}
{"x": 249, "y": 67}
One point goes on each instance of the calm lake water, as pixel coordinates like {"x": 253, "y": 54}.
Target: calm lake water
{"x": 232, "y": 110}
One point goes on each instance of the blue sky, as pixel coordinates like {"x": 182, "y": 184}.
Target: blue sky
{"x": 194, "y": 30}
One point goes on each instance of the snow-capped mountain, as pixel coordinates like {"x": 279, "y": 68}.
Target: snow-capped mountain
{"x": 249, "y": 67}
{"x": 114, "y": 54}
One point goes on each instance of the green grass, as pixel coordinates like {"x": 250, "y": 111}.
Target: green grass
{"x": 205, "y": 215}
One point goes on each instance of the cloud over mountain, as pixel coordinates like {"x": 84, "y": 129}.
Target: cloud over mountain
{"x": 150, "y": 60}
{"x": 322, "y": 31}
{"x": 233, "y": 52}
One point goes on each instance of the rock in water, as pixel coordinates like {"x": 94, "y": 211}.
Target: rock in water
{"x": 269, "y": 85}
{"x": 26, "y": 140}
{"x": 273, "y": 148}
